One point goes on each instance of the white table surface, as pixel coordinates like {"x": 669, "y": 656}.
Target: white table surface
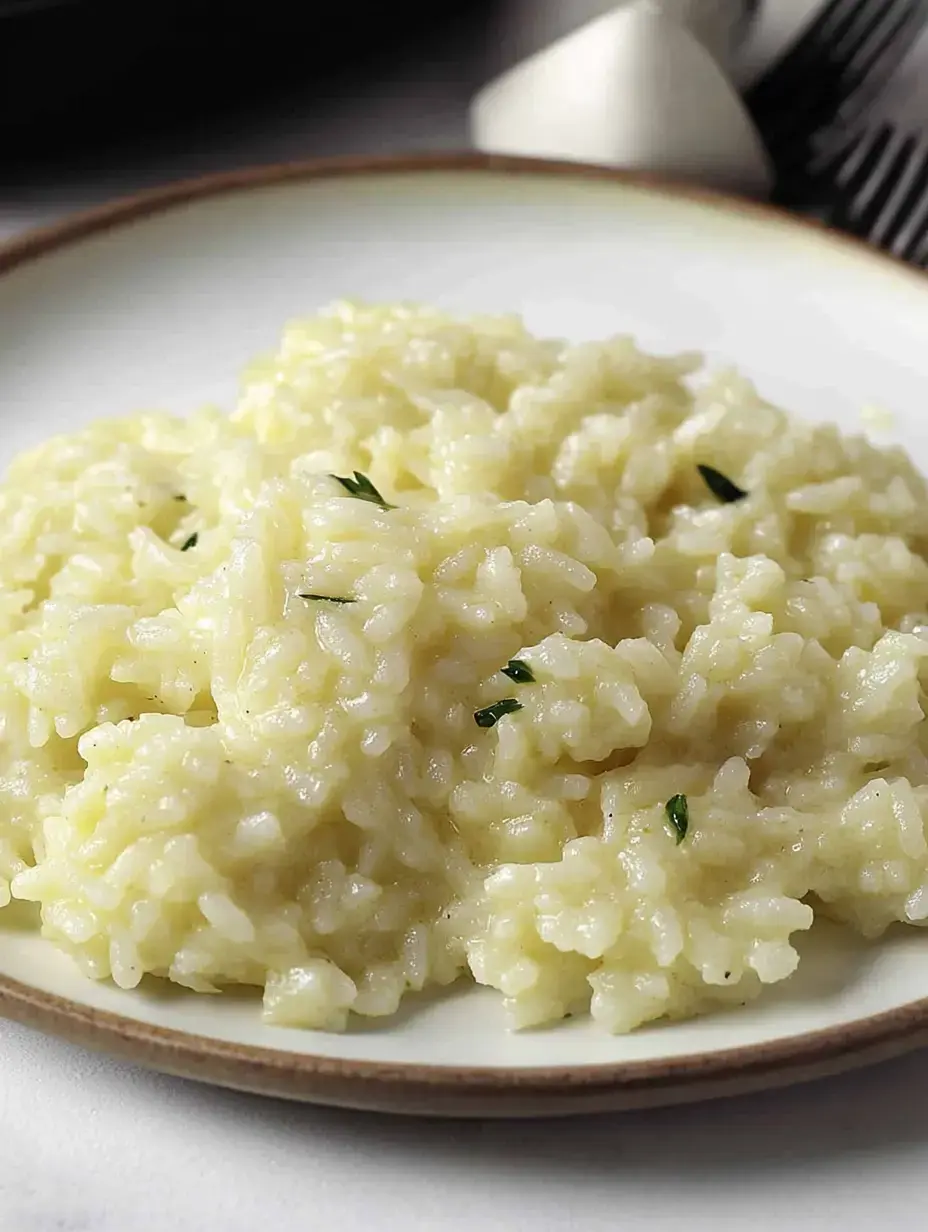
{"x": 91, "y": 1145}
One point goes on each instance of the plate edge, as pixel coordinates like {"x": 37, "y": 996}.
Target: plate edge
{"x": 122, "y": 211}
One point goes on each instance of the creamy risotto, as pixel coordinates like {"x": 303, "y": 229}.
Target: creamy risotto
{"x": 454, "y": 652}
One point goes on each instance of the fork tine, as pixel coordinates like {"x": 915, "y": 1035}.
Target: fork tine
{"x": 914, "y": 196}
{"x": 878, "y": 182}
{"x": 915, "y": 247}
{"x": 849, "y": 181}
{"x": 916, "y": 250}
{"x": 857, "y": 36}
{"x": 867, "y": 218}
{"x": 828, "y": 162}
{"x": 886, "y": 51}
{"x": 856, "y": 180}
{"x": 824, "y": 167}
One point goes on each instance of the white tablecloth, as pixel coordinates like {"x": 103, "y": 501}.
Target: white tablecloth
{"x": 89, "y": 1145}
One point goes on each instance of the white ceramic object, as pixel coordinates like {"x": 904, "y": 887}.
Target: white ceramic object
{"x": 715, "y": 23}
{"x": 159, "y": 304}
{"x": 643, "y": 87}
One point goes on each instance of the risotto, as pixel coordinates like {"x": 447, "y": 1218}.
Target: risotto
{"x": 454, "y": 652}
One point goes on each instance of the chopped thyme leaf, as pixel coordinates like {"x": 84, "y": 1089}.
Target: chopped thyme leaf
{"x": 876, "y": 767}
{"x": 363, "y": 489}
{"x": 721, "y": 487}
{"x": 678, "y": 814}
{"x": 489, "y": 716}
{"x": 518, "y": 671}
{"x": 326, "y": 598}
{"x": 180, "y": 497}
{"x": 191, "y": 542}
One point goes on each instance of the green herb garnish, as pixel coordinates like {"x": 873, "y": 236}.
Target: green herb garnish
{"x": 518, "y": 671}
{"x": 721, "y": 487}
{"x": 326, "y": 598}
{"x": 180, "y": 497}
{"x": 678, "y": 814}
{"x": 489, "y": 716}
{"x": 363, "y": 489}
{"x": 190, "y": 543}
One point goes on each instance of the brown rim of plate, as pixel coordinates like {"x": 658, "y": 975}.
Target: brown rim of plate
{"x": 281, "y": 1072}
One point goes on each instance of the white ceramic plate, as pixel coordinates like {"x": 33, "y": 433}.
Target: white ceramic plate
{"x": 157, "y": 302}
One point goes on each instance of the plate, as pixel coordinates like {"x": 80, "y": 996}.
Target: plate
{"x": 157, "y": 301}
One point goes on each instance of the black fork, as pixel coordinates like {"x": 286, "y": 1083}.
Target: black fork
{"x": 827, "y": 79}
{"x": 878, "y": 190}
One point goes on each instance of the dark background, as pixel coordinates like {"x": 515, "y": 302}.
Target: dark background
{"x": 82, "y": 77}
